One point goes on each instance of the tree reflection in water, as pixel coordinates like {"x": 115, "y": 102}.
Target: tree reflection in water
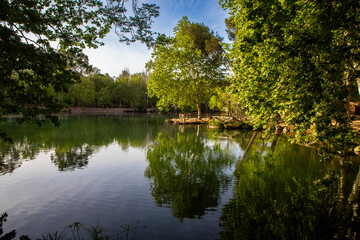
{"x": 75, "y": 157}
{"x": 287, "y": 194}
{"x": 186, "y": 174}
{"x": 75, "y": 140}
{"x": 10, "y": 158}
{"x": 281, "y": 191}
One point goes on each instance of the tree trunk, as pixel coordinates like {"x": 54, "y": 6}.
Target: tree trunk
{"x": 273, "y": 143}
{"x": 238, "y": 164}
{"x": 199, "y": 111}
{"x": 229, "y": 110}
{"x": 249, "y": 145}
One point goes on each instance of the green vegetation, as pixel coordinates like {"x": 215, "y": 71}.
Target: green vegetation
{"x": 224, "y": 100}
{"x": 276, "y": 189}
{"x": 31, "y": 68}
{"x": 78, "y": 232}
{"x": 98, "y": 90}
{"x": 297, "y": 62}
{"x": 186, "y": 69}
{"x": 294, "y": 63}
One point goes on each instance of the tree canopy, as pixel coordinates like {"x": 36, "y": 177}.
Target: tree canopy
{"x": 186, "y": 68}
{"x": 296, "y": 61}
{"x": 41, "y": 44}
{"x": 99, "y": 90}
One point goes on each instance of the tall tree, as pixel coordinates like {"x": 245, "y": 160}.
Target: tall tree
{"x": 29, "y": 62}
{"x": 138, "y": 91}
{"x": 185, "y": 69}
{"x": 230, "y": 29}
{"x": 295, "y": 60}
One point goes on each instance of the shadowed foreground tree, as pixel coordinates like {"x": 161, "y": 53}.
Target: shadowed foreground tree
{"x": 30, "y": 64}
{"x": 185, "y": 69}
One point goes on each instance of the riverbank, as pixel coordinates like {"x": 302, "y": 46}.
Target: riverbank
{"x": 103, "y": 111}
{"x": 216, "y": 121}
{"x": 188, "y": 121}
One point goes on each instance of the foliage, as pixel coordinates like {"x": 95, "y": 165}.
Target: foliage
{"x": 186, "y": 69}
{"x": 98, "y": 90}
{"x": 10, "y": 235}
{"x": 137, "y": 89}
{"x": 30, "y": 64}
{"x": 56, "y": 236}
{"x": 7, "y": 236}
{"x": 230, "y": 29}
{"x": 224, "y": 100}
{"x": 296, "y": 61}
{"x": 95, "y": 232}
{"x": 216, "y": 123}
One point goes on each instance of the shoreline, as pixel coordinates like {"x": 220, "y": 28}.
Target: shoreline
{"x": 102, "y": 111}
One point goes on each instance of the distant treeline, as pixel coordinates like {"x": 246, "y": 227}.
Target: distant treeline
{"x": 99, "y": 90}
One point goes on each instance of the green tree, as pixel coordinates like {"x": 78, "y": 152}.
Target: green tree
{"x": 138, "y": 90}
{"x": 185, "y": 69}
{"x": 29, "y": 62}
{"x": 121, "y": 93}
{"x": 295, "y": 61}
{"x": 82, "y": 94}
{"x": 226, "y": 101}
{"x": 131, "y": 90}
{"x": 105, "y": 96}
{"x": 230, "y": 29}
{"x": 103, "y": 89}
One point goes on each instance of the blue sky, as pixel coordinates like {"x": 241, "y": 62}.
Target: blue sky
{"x": 115, "y": 56}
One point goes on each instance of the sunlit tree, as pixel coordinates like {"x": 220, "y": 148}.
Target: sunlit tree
{"x": 296, "y": 61}
{"x": 185, "y": 69}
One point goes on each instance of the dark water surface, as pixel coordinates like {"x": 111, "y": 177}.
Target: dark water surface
{"x": 170, "y": 182}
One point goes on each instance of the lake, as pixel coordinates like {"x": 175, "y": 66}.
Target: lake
{"x": 140, "y": 178}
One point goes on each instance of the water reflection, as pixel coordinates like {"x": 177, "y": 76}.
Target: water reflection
{"x": 75, "y": 157}
{"x": 75, "y": 140}
{"x": 186, "y": 173}
{"x": 253, "y": 188}
{"x": 9, "y": 158}
{"x": 287, "y": 193}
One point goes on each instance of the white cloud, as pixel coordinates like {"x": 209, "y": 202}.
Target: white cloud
{"x": 115, "y": 56}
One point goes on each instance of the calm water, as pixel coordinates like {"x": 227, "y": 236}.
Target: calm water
{"x": 170, "y": 182}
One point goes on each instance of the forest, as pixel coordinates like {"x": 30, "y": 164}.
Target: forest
{"x": 287, "y": 67}
{"x": 290, "y": 63}
{"x": 103, "y": 91}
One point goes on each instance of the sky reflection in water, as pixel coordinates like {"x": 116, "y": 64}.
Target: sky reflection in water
{"x": 170, "y": 182}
